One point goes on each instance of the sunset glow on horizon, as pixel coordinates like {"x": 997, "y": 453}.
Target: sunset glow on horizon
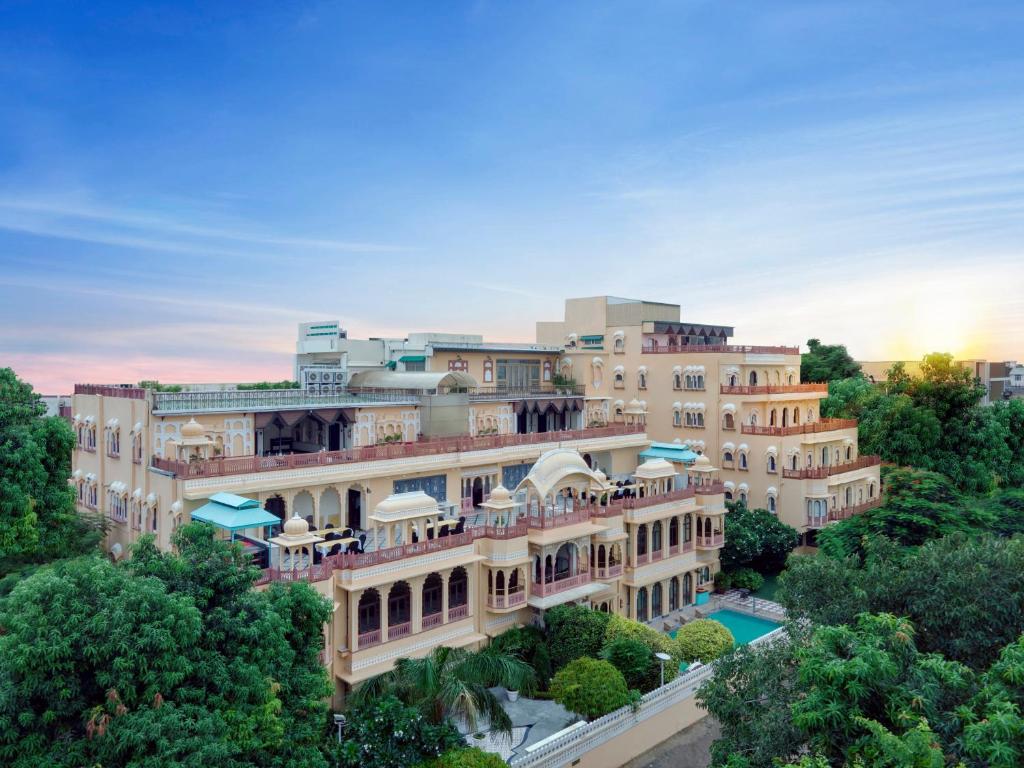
{"x": 176, "y": 197}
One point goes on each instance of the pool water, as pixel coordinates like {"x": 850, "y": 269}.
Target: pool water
{"x": 743, "y": 626}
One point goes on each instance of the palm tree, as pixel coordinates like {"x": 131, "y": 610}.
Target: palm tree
{"x": 453, "y": 682}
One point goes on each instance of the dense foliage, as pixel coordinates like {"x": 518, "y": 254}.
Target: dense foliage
{"x": 635, "y": 661}
{"x": 528, "y": 644}
{"x": 466, "y": 758}
{"x": 964, "y": 596}
{"x": 263, "y": 385}
{"x": 756, "y": 539}
{"x": 38, "y": 521}
{"x": 590, "y": 687}
{"x": 919, "y": 506}
{"x": 619, "y": 627}
{"x": 574, "y": 631}
{"x": 935, "y": 421}
{"x": 385, "y": 733}
{"x": 169, "y": 660}
{"x": 826, "y": 362}
{"x": 703, "y": 640}
{"x": 864, "y": 694}
{"x": 453, "y": 682}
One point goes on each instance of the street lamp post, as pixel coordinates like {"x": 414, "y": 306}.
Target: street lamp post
{"x": 662, "y": 657}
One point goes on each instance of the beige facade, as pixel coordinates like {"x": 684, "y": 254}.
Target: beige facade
{"x": 418, "y": 543}
{"x": 742, "y": 406}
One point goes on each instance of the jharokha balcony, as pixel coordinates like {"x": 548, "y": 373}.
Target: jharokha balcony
{"x": 715, "y": 541}
{"x": 776, "y": 389}
{"x": 560, "y": 584}
{"x": 500, "y": 601}
{"x": 241, "y": 465}
{"x": 819, "y": 473}
{"x": 822, "y": 425}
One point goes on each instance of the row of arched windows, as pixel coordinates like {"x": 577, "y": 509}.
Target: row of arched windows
{"x": 399, "y": 604}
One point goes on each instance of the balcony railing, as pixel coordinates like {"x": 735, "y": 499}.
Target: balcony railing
{"x": 713, "y": 541}
{"x": 845, "y": 513}
{"x": 510, "y": 600}
{"x": 560, "y": 585}
{"x": 458, "y": 612}
{"x": 818, "y": 473}
{"x": 553, "y": 519}
{"x": 367, "y": 639}
{"x": 608, "y": 572}
{"x": 659, "y": 498}
{"x": 822, "y": 425}
{"x": 242, "y": 465}
{"x": 528, "y": 392}
{"x": 397, "y": 631}
{"x": 269, "y": 400}
{"x": 664, "y": 349}
{"x": 432, "y": 620}
{"x": 775, "y": 389}
{"x": 110, "y": 390}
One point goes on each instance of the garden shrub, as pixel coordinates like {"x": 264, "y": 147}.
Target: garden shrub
{"x": 745, "y": 578}
{"x": 574, "y": 631}
{"x": 471, "y": 757}
{"x": 385, "y": 733}
{"x": 658, "y": 642}
{"x": 528, "y": 644}
{"x": 590, "y": 687}
{"x": 723, "y": 581}
{"x": 703, "y": 640}
{"x": 635, "y": 661}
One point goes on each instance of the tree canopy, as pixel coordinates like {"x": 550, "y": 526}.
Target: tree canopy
{"x": 165, "y": 660}
{"x": 827, "y": 362}
{"x": 38, "y": 520}
{"x": 757, "y": 539}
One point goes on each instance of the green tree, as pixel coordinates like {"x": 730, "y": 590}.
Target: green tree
{"x": 899, "y": 431}
{"x": 386, "y": 733}
{"x": 750, "y": 695}
{"x": 704, "y": 640}
{"x": 993, "y": 732}
{"x": 38, "y": 521}
{"x": 825, "y": 362}
{"x": 590, "y": 687}
{"x": 918, "y": 507}
{"x": 635, "y": 661}
{"x": 847, "y": 398}
{"x": 466, "y": 758}
{"x": 757, "y": 539}
{"x": 574, "y": 631}
{"x": 453, "y": 682}
{"x": 619, "y": 627}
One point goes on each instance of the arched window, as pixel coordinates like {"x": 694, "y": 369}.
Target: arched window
{"x": 432, "y": 595}
{"x": 753, "y": 378}
{"x": 620, "y": 380}
{"x": 458, "y": 588}
{"x": 700, "y": 418}
{"x": 641, "y": 539}
{"x": 676, "y": 381}
{"x": 849, "y": 452}
{"x": 871, "y": 491}
{"x": 673, "y": 594}
{"x": 369, "y": 613}
{"x": 785, "y": 417}
{"x": 733, "y": 379}
{"x": 728, "y": 422}
{"x": 656, "y": 600}
{"x": 771, "y": 463}
{"x": 399, "y": 604}
{"x": 673, "y": 532}
{"x": 743, "y": 460}
{"x": 488, "y": 370}
{"x": 810, "y": 415}
{"x": 700, "y": 381}
{"x": 753, "y": 418}
{"x": 677, "y": 418}
{"x": 771, "y": 504}
{"x": 743, "y": 498}
{"x": 547, "y": 370}
{"x": 641, "y": 380}
{"x": 794, "y": 462}
{"x": 641, "y": 604}
{"x": 727, "y": 457}
{"x": 771, "y": 418}
{"x": 796, "y": 416}
{"x": 656, "y": 543}
{"x": 620, "y": 345}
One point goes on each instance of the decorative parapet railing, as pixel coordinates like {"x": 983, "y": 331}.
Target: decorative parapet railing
{"x": 835, "y": 515}
{"x": 524, "y": 393}
{"x": 775, "y": 389}
{"x": 110, "y": 390}
{"x": 241, "y": 465}
{"x": 566, "y": 747}
{"x": 713, "y": 541}
{"x": 561, "y": 585}
{"x": 353, "y": 561}
{"x": 656, "y": 499}
{"x": 608, "y": 572}
{"x": 818, "y": 473}
{"x": 510, "y": 600}
{"x": 551, "y": 519}
{"x": 665, "y": 349}
{"x": 458, "y": 612}
{"x": 822, "y": 425}
{"x": 269, "y": 400}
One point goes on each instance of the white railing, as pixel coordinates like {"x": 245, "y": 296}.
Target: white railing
{"x": 562, "y": 749}
{"x": 755, "y": 606}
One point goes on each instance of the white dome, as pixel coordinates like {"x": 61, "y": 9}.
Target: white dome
{"x": 500, "y": 493}
{"x": 295, "y": 526}
{"x": 192, "y": 429}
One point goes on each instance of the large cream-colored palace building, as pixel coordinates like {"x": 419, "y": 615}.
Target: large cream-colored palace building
{"x": 441, "y": 489}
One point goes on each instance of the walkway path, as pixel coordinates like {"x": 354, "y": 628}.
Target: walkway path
{"x": 690, "y": 748}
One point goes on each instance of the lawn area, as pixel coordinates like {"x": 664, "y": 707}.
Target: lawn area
{"x": 769, "y": 588}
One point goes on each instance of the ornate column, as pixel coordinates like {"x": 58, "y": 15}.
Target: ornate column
{"x": 444, "y": 596}
{"x": 416, "y": 587}
{"x": 383, "y": 616}
{"x": 353, "y": 619}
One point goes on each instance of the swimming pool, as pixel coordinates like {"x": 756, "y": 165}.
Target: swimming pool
{"x": 743, "y": 626}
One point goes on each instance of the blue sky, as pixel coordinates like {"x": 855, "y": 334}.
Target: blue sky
{"x": 180, "y": 184}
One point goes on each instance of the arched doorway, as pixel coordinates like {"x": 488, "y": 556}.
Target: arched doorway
{"x": 641, "y": 604}
{"x": 399, "y": 610}
{"x": 275, "y": 505}
{"x": 458, "y": 592}
{"x": 369, "y": 617}
{"x": 656, "y": 600}
{"x": 673, "y": 594}
{"x": 432, "y": 593}
{"x": 687, "y": 588}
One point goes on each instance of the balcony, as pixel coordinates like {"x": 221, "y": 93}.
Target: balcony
{"x": 243, "y": 465}
{"x": 270, "y": 400}
{"x": 432, "y": 620}
{"x": 560, "y": 585}
{"x": 398, "y": 631}
{"x": 819, "y": 473}
{"x": 458, "y": 612}
{"x": 608, "y": 572}
{"x": 666, "y": 349}
{"x": 110, "y": 390}
{"x": 553, "y": 518}
{"x": 511, "y": 600}
{"x": 714, "y": 541}
{"x": 835, "y": 515}
{"x": 527, "y": 393}
{"x": 776, "y": 389}
{"x": 822, "y": 425}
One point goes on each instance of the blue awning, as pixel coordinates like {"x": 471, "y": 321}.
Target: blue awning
{"x": 671, "y": 452}
{"x": 234, "y": 513}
